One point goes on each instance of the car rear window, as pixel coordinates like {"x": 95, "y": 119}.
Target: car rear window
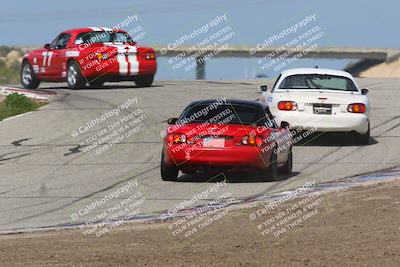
{"x": 318, "y": 81}
{"x": 103, "y": 37}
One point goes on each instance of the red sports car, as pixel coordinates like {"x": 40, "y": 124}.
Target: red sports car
{"x": 90, "y": 55}
{"x": 219, "y": 134}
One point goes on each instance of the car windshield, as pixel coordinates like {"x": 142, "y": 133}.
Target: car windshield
{"x": 103, "y": 37}
{"x": 318, "y": 81}
{"x": 225, "y": 114}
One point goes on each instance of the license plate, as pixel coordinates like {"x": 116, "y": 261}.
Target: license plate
{"x": 325, "y": 109}
{"x": 213, "y": 142}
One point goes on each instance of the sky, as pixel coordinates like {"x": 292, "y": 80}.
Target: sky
{"x": 355, "y": 23}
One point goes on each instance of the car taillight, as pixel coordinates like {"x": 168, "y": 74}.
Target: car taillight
{"x": 356, "y": 108}
{"x": 150, "y": 55}
{"x": 176, "y": 138}
{"x": 252, "y": 140}
{"x": 287, "y": 105}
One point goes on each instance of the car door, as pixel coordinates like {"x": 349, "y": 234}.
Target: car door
{"x": 58, "y": 49}
{"x": 46, "y": 60}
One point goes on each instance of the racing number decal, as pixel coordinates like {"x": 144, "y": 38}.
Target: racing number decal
{"x": 47, "y": 56}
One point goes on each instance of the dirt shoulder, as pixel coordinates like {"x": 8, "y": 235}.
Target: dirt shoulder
{"x": 357, "y": 227}
{"x": 383, "y": 70}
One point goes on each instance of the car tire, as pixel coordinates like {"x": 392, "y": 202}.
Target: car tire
{"x": 144, "y": 81}
{"x": 28, "y": 77}
{"x": 168, "y": 173}
{"x": 271, "y": 172}
{"x": 362, "y": 139}
{"x": 75, "y": 78}
{"x": 97, "y": 83}
{"x": 288, "y": 167}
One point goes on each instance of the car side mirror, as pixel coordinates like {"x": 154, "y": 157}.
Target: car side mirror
{"x": 364, "y": 91}
{"x": 285, "y": 124}
{"x": 172, "y": 120}
{"x": 46, "y": 46}
{"x": 263, "y": 88}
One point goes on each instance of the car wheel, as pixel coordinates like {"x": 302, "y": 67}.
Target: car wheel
{"x": 271, "y": 173}
{"x": 363, "y": 139}
{"x": 75, "y": 79}
{"x": 97, "y": 83}
{"x": 288, "y": 167}
{"x": 28, "y": 77}
{"x": 168, "y": 173}
{"x": 144, "y": 81}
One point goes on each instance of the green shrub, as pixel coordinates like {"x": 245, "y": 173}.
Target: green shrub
{"x": 15, "y": 104}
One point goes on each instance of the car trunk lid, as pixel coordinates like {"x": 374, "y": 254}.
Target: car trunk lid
{"x": 326, "y": 102}
{"x": 215, "y": 135}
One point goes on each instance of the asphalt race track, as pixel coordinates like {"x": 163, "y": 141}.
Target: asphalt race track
{"x": 45, "y": 177}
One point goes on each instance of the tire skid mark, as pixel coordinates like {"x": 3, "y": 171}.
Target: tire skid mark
{"x": 26, "y": 206}
{"x": 83, "y": 198}
{"x": 63, "y": 101}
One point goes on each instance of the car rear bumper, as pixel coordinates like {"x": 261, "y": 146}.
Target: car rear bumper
{"x": 242, "y": 157}
{"x": 344, "y": 122}
{"x": 111, "y": 71}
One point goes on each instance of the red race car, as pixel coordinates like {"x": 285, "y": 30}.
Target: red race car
{"x": 90, "y": 55}
{"x": 219, "y": 134}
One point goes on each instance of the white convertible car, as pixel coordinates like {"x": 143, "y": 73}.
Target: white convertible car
{"x": 322, "y": 100}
